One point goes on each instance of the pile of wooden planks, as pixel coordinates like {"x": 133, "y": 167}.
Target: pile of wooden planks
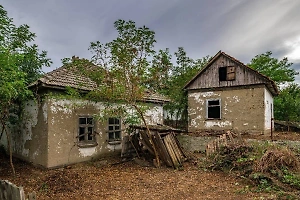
{"x": 165, "y": 143}
{"x": 221, "y": 141}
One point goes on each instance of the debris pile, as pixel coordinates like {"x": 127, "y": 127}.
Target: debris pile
{"x": 223, "y": 141}
{"x": 163, "y": 140}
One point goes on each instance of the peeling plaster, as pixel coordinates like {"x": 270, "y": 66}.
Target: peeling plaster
{"x": 209, "y": 94}
{"x": 210, "y": 124}
{"x": 45, "y": 111}
{"x": 197, "y": 97}
{"x": 61, "y": 106}
{"x": 31, "y": 114}
{"x": 236, "y": 99}
{"x": 194, "y": 121}
{"x": 85, "y": 152}
{"x": 154, "y": 115}
{"x": 114, "y": 147}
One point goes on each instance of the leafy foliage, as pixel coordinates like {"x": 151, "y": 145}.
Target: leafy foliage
{"x": 279, "y": 71}
{"x": 181, "y": 73}
{"x": 287, "y": 103}
{"x": 20, "y": 64}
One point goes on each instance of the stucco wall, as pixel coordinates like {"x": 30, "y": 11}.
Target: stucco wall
{"x": 63, "y": 128}
{"x": 47, "y": 136}
{"x": 269, "y": 111}
{"x": 29, "y": 142}
{"x": 242, "y": 109}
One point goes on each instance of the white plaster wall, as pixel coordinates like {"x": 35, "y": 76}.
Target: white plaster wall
{"x": 63, "y": 119}
{"x": 154, "y": 115}
{"x": 269, "y": 111}
{"x": 30, "y": 121}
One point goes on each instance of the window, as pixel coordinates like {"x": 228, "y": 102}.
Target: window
{"x": 114, "y": 129}
{"x": 227, "y": 73}
{"x": 214, "y": 109}
{"x": 86, "y": 130}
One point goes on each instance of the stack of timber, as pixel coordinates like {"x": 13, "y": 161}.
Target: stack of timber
{"x": 163, "y": 139}
{"x": 227, "y": 139}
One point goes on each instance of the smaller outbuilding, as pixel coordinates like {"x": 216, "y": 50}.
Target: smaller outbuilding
{"x": 228, "y": 95}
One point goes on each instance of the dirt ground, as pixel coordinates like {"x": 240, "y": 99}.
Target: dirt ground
{"x": 111, "y": 179}
{"x": 276, "y": 136}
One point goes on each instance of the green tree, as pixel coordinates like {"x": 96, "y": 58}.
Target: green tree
{"x": 124, "y": 72}
{"x": 184, "y": 70}
{"x": 20, "y": 64}
{"x": 279, "y": 71}
{"x": 287, "y": 103}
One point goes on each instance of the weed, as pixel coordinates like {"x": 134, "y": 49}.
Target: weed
{"x": 44, "y": 187}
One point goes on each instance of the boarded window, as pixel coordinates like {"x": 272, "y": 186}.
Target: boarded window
{"x": 114, "y": 129}
{"x": 227, "y": 73}
{"x": 86, "y": 129}
{"x": 214, "y": 109}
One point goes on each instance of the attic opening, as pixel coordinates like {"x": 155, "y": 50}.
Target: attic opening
{"x": 214, "y": 109}
{"x": 227, "y": 73}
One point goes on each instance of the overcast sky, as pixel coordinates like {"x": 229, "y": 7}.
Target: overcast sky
{"x": 241, "y": 28}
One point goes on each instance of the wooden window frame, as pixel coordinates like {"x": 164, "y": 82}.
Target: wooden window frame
{"x": 227, "y": 73}
{"x": 208, "y": 107}
{"x": 86, "y": 131}
{"x": 114, "y": 129}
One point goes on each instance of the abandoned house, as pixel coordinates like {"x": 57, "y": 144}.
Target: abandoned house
{"x": 228, "y": 95}
{"x": 54, "y": 129}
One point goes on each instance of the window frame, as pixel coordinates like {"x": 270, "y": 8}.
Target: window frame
{"x": 114, "y": 130}
{"x": 212, "y": 106}
{"x": 227, "y": 73}
{"x": 89, "y": 139}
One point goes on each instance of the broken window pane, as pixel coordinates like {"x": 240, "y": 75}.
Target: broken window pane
{"x": 90, "y": 133}
{"x": 222, "y": 73}
{"x": 90, "y": 120}
{"x": 114, "y": 127}
{"x": 213, "y": 102}
{"x": 82, "y": 120}
{"x": 111, "y": 135}
{"x": 111, "y": 120}
{"x": 117, "y": 135}
{"x": 213, "y": 109}
{"x": 86, "y": 129}
{"x": 81, "y": 133}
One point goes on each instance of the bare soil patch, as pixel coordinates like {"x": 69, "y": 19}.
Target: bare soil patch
{"x": 293, "y": 136}
{"x": 104, "y": 179}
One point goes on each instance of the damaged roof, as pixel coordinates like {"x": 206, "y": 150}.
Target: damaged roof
{"x": 64, "y": 76}
{"x": 270, "y": 84}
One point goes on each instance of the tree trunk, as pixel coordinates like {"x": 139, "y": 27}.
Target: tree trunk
{"x": 2, "y": 131}
{"x": 9, "y": 149}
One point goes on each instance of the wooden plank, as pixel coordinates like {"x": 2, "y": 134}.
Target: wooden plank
{"x": 125, "y": 145}
{"x": 146, "y": 142}
{"x": 162, "y": 150}
{"x": 175, "y": 161}
{"x": 178, "y": 146}
{"x": 175, "y": 148}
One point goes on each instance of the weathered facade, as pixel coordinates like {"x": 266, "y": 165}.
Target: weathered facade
{"x": 228, "y": 95}
{"x": 59, "y": 132}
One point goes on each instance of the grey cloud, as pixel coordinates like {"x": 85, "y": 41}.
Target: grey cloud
{"x": 241, "y": 28}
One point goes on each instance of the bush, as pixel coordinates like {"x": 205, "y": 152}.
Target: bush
{"x": 235, "y": 156}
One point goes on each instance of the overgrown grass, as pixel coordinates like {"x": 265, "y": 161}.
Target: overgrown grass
{"x": 270, "y": 168}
